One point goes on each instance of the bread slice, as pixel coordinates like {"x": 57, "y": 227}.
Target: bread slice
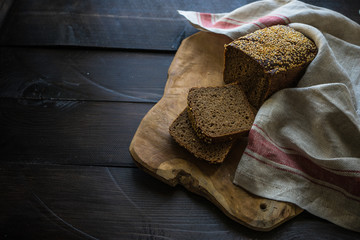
{"x": 220, "y": 113}
{"x": 267, "y": 61}
{"x": 183, "y": 133}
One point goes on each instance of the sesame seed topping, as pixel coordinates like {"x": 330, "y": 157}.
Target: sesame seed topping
{"x": 277, "y": 48}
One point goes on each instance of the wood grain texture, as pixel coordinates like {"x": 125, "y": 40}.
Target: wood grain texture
{"x": 68, "y": 132}
{"x": 87, "y": 202}
{"x": 119, "y": 24}
{"x": 97, "y": 24}
{"x": 83, "y": 74}
{"x": 199, "y": 62}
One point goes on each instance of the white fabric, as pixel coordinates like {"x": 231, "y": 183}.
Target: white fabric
{"x": 304, "y": 146}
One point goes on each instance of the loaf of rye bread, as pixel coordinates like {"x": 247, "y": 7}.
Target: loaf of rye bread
{"x": 267, "y": 60}
{"x": 183, "y": 133}
{"x": 219, "y": 113}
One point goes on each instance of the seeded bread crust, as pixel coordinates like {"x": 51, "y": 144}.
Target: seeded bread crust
{"x": 183, "y": 133}
{"x": 267, "y": 60}
{"x": 219, "y": 113}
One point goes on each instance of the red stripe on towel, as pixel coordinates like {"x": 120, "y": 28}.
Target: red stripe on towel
{"x": 283, "y": 16}
{"x": 301, "y": 175}
{"x": 286, "y": 148}
{"x": 263, "y": 147}
{"x": 206, "y": 21}
{"x": 271, "y": 20}
{"x": 225, "y": 25}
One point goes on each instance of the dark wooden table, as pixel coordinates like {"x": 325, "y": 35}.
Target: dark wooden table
{"x": 76, "y": 78}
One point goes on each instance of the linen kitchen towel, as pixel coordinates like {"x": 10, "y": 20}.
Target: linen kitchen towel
{"x": 304, "y": 146}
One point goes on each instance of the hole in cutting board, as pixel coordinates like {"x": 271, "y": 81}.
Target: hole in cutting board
{"x": 263, "y": 206}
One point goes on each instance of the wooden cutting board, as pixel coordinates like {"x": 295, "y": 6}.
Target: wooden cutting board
{"x": 199, "y": 62}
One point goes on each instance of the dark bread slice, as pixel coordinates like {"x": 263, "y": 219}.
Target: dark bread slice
{"x": 183, "y": 133}
{"x": 267, "y": 61}
{"x": 220, "y": 113}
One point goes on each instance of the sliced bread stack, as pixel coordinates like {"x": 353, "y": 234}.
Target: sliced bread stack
{"x": 183, "y": 133}
{"x": 213, "y": 119}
